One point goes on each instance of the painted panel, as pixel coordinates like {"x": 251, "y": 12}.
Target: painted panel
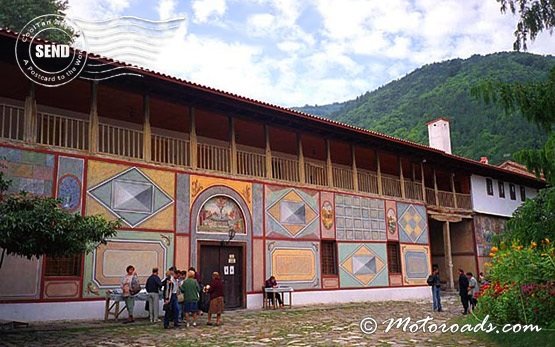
{"x": 292, "y": 213}
{"x": 70, "y": 182}
{"x": 359, "y": 219}
{"x": 362, "y": 264}
{"x": 327, "y": 215}
{"x": 26, "y": 271}
{"x": 257, "y": 209}
{"x": 61, "y": 289}
{"x": 140, "y": 197}
{"x": 415, "y": 261}
{"x": 258, "y": 264}
{"x": 183, "y": 204}
{"x": 330, "y": 282}
{"x": 413, "y": 223}
{"x": 105, "y": 266}
{"x": 32, "y": 172}
{"x": 294, "y": 263}
{"x": 391, "y": 220}
{"x": 220, "y": 214}
{"x": 182, "y": 252}
{"x": 485, "y": 228}
{"x": 201, "y": 183}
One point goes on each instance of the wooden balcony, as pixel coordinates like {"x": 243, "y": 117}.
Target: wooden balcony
{"x": 285, "y": 169}
{"x": 413, "y": 190}
{"x": 316, "y": 173}
{"x": 464, "y": 201}
{"x": 62, "y": 131}
{"x": 11, "y": 122}
{"x": 367, "y": 181}
{"x": 342, "y": 177}
{"x": 391, "y": 186}
{"x": 213, "y": 157}
{"x": 251, "y": 164}
{"x": 120, "y": 141}
{"x": 431, "y": 196}
{"x": 170, "y": 150}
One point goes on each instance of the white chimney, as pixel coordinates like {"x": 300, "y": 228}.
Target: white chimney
{"x": 439, "y": 135}
{"x": 484, "y": 160}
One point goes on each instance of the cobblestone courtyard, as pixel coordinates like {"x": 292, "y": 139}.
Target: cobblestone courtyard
{"x": 322, "y": 325}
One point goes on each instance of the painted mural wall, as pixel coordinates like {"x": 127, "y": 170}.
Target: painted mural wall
{"x": 485, "y": 228}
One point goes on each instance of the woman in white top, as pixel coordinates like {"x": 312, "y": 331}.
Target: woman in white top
{"x": 128, "y": 282}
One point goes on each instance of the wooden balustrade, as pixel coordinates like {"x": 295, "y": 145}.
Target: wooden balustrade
{"x": 213, "y": 157}
{"x": 367, "y": 181}
{"x": 430, "y": 196}
{"x": 446, "y": 199}
{"x": 315, "y": 173}
{"x": 464, "y": 201}
{"x": 391, "y": 186}
{"x": 413, "y": 190}
{"x": 120, "y": 141}
{"x": 251, "y": 164}
{"x": 285, "y": 169}
{"x": 62, "y": 131}
{"x": 342, "y": 177}
{"x": 170, "y": 150}
{"x": 11, "y": 122}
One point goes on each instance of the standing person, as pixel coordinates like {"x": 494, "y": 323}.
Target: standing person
{"x": 170, "y": 299}
{"x": 153, "y": 285}
{"x": 197, "y": 278}
{"x": 463, "y": 290}
{"x": 435, "y": 283}
{"x": 473, "y": 290}
{"x": 216, "y": 291}
{"x": 180, "y": 302}
{"x": 129, "y": 286}
{"x": 272, "y": 283}
{"x": 190, "y": 289}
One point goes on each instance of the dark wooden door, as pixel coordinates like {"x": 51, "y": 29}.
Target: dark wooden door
{"x": 228, "y": 261}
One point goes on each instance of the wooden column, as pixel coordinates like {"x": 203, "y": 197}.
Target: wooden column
{"x": 269, "y": 173}
{"x": 448, "y": 256}
{"x": 453, "y": 190}
{"x": 147, "y": 131}
{"x": 30, "y": 116}
{"x": 355, "y": 172}
{"x": 435, "y": 188}
{"x": 232, "y": 145}
{"x": 401, "y": 177}
{"x": 93, "y": 118}
{"x": 301, "y": 158}
{"x": 193, "y": 138}
{"x": 379, "y": 172}
{"x": 423, "y": 181}
{"x": 329, "y": 167}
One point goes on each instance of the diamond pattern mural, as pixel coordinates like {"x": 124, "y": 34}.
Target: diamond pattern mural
{"x": 413, "y": 225}
{"x": 292, "y": 212}
{"x": 132, "y": 196}
{"x": 363, "y": 264}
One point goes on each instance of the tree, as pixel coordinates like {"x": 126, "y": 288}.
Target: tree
{"x": 15, "y": 14}
{"x": 33, "y": 226}
{"x": 535, "y": 16}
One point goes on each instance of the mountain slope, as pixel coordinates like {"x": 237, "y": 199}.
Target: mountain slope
{"x": 401, "y": 108}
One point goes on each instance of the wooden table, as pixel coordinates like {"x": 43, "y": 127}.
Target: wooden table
{"x": 280, "y": 290}
{"x": 112, "y": 307}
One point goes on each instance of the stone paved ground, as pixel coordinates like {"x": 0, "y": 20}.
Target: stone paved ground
{"x": 322, "y": 325}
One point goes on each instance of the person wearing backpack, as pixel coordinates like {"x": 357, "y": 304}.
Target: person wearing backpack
{"x": 433, "y": 281}
{"x": 130, "y": 286}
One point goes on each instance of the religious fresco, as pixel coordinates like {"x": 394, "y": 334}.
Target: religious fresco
{"x": 327, "y": 213}
{"x": 415, "y": 261}
{"x": 359, "y": 219}
{"x": 139, "y": 197}
{"x": 220, "y": 214}
{"x": 70, "y": 182}
{"x": 294, "y": 263}
{"x": 362, "y": 265}
{"x": 486, "y": 227}
{"x": 292, "y": 213}
{"x": 413, "y": 223}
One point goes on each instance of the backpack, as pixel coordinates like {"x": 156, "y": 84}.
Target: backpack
{"x": 430, "y": 280}
{"x": 135, "y": 287}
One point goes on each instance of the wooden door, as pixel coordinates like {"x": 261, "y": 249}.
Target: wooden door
{"x": 228, "y": 261}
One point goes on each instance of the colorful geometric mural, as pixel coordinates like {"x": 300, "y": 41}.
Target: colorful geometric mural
{"x": 29, "y": 171}
{"x": 327, "y": 213}
{"x": 220, "y": 214}
{"x": 292, "y": 212}
{"x": 415, "y": 261}
{"x": 413, "y": 223}
{"x": 359, "y": 218}
{"x": 294, "y": 263}
{"x": 362, "y": 264}
{"x": 70, "y": 186}
{"x": 132, "y": 196}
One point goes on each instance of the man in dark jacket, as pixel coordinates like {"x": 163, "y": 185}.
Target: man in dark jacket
{"x": 153, "y": 285}
{"x": 463, "y": 290}
{"x": 436, "y": 287}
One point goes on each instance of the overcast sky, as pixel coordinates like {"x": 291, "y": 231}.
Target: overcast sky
{"x": 296, "y": 52}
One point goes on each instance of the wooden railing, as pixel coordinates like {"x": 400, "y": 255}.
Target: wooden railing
{"x": 11, "y": 122}
{"x": 446, "y": 199}
{"x": 285, "y": 169}
{"x": 391, "y": 186}
{"x": 170, "y": 150}
{"x": 213, "y": 157}
{"x": 464, "y": 201}
{"x": 120, "y": 141}
{"x": 430, "y": 196}
{"x": 315, "y": 173}
{"x": 367, "y": 181}
{"x": 62, "y": 131}
{"x": 342, "y": 177}
{"x": 413, "y": 190}
{"x": 251, "y": 164}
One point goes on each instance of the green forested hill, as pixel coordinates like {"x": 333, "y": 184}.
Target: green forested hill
{"x": 401, "y": 108}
